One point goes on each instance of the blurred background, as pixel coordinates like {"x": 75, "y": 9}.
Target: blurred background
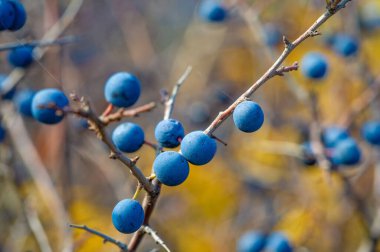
{"x": 258, "y": 181}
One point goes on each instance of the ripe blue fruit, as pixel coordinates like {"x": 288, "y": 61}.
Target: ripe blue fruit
{"x": 314, "y": 65}
{"x": 345, "y": 45}
{"x": 122, "y": 89}
{"x": 127, "y": 216}
{"x": 253, "y": 241}
{"x": 2, "y": 133}
{"x": 272, "y": 35}
{"x": 212, "y": 11}
{"x": 20, "y": 15}
{"x": 169, "y": 133}
{"x": 198, "y": 148}
{"x": 23, "y": 101}
{"x": 9, "y": 94}
{"x": 331, "y": 136}
{"x": 7, "y": 15}
{"x": 21, "y": 56}
{"x": 46, "y": 104}
{"x": 128, "y": 137}
{"x": 371, "y": 132}
{"x": 278, "y": 242}
{"x": 346, "y": 152}
{"x": 171, "y": 168}
{"x": 248, "y": 116}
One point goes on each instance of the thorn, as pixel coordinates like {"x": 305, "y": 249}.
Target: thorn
{"x": 219, "y": 140}
{"x": 135, "y": 159}
{"x": 114, "y": 155}
{"x": 286, "y": 42}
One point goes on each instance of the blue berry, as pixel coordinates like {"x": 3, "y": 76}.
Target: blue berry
{"x": 171, "y": 168}
{"x": 128, "y": 137}
{"x": 127, "y": 216}
{"x": 9, "y": 94}
{"x": 345, "y": 45}
{"x": 46, "y": 104}
{"x": 346, "y": 152}
{"x": 23, "y": 101}
{"x": 278, "y": 242}
{"x": 252, "y": 241}
{"x": 169, "y": 133}
{"x": 272, "y": 35}
{"x": 212, "y": 11}
{"x": 371, "y": 132}
{"x": 248, "y": 116}
{"x": 2, "y": 133}
{"x": 21, "y": 56}
{"x": 314, "y": 65}
{"x": 331, "y": 136}
{"x": 122, "y": 89}
{"x": 198, "y": 148}
{"x": 20, "y": 15}
{"x": 7, "y": 15}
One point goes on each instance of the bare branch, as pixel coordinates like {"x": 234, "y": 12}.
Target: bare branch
{"x": 148, "y": 230}
{"x": 270, "y": 73}
{"x": 105, "y": 237}
{"x": 286, "y": 69}
{"x": 122, "y": 113}
{"x": 98, "y": 126}
{"x": 38, "y": 43}
{"x": 169, "y": 104}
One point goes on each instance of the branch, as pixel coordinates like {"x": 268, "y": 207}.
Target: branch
{"x": 271, "y": 72}
{"x": 38, "y": 43}
{"x": 98, "y": 126}
{"x": 148, "y": 230}
{"x": 286, "y": 69}
{"x": 105, "y": 237}
{"x": 122, "y": 113}
{"x": 169, "y": 104}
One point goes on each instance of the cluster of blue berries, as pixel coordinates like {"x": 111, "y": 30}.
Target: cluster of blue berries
{"x": 256, "y": 241}
{"x": 12, "y": 15}
{"x": 341, "y": 148}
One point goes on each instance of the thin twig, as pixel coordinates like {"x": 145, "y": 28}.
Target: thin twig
{"x": 271, "y": 72}
{"x": 105, "y": 237}
{"x": 148, "y": 230}
{"x": 122, "y": 113}
{"x": 38, "y": 43}
{"x": 169, "y": 104}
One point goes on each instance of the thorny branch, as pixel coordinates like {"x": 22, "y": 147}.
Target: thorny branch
{"x": 148, "y": 230}
{"x": 38, "y": 43}
{"x": 271, "y": 72}
{"x": 105, "y": 237}
{"x": 150, "y": 200}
